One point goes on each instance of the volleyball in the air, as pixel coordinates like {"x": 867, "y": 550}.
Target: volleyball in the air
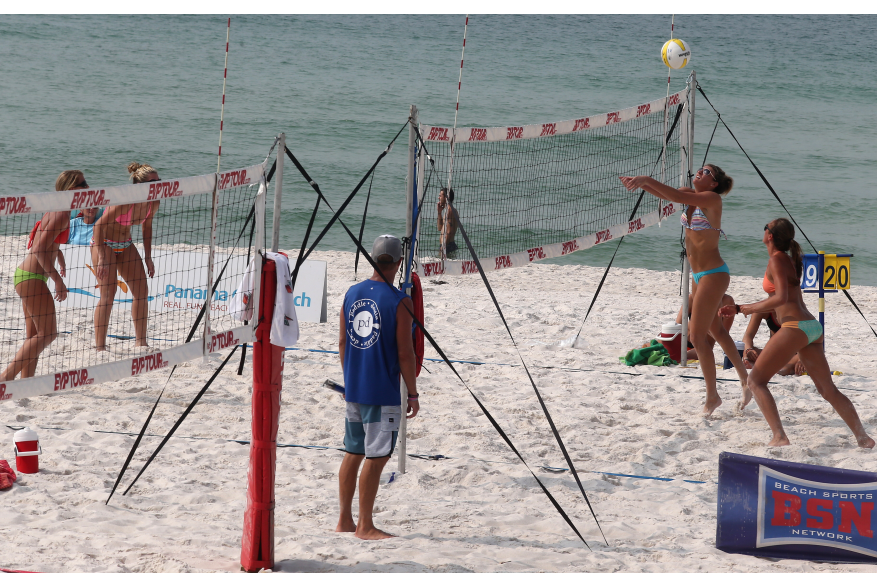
{"x": 676, "y": 53}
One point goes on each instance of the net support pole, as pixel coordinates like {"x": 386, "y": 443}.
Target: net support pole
{"x": 211, "y": 257}
{"x": 686, "y": 268}
{"x": 409, "y": 234}
{"x": 278, "y": 192}
{"x": 257, "y": 545}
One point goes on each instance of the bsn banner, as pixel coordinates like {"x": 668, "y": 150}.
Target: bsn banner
{"x": 781, "y": 509}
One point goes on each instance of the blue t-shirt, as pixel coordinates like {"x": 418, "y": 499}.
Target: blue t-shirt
{"x": 371, "y": 355}
{"x": 80, "y": 232}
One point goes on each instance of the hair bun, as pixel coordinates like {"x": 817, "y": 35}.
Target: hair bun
{"x": 134, "y": 166}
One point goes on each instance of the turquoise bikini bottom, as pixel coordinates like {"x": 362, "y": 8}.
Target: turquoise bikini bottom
{"x": 699, "y": 274}
{"x": 812, "y": 328}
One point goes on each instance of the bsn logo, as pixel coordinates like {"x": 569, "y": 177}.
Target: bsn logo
{"x": 674, "y": 99}
{"x": 431, "y": 269}
{"x": 88, "y": 199}
{"x": 548, "y": 129}
{"x": 363, "y": 323}
{"x": 469, "y": 267}
{"x": 603, "y": 236}
{"x": 667, "y": 210}
{"x": 613, "y": 117}
{"x": 642, "y": 110}
{"x": 514, "y": 132}
{"x": 503, "y": 261}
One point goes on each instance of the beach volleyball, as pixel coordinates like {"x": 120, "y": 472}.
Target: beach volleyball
{"x": 676, "y": 53}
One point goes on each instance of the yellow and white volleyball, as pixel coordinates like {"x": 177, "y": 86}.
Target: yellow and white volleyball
{"x": 676, "y": 53}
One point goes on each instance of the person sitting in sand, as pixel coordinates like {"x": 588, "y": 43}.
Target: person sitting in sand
{"x": 710, "y": 274}
{"x": 447, "y": 223}
{"x": 31, "y": 282}
{"x": 800, "y": 333}
{"x": 376, "y": 347}
{"x": 726, "y": 322}
{"x": 113, "y": 253}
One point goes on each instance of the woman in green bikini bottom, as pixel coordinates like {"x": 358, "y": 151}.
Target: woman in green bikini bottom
{"x": 31, "y": 284}
{"x": 800, "y": 333}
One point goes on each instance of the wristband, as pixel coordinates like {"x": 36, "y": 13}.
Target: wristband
{"x": 414, "y": 397}
{"x": 738, "y": 307}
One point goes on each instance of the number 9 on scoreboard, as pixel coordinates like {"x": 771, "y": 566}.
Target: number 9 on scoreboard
{"x": 811, "y": 272}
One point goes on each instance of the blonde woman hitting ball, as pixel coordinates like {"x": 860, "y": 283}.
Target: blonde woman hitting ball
{"x": 710, "y": 274}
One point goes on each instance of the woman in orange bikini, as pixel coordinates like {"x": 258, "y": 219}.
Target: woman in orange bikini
{"x": 31, "y": 282}
{"x": 113, "y": 251}
{"x": 710, "y": 274}
{"x": 800, "y": 333}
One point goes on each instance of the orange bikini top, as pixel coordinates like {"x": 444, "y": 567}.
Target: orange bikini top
{"x": 767, "y": 285}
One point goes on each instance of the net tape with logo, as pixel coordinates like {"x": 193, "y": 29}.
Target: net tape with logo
{"x": 539, "y": 191}
{"x": 181, "y": 233}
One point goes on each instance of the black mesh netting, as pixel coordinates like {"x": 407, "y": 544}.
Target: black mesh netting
{"x": 515, "y": 195}
{"x": 170, "y": 300}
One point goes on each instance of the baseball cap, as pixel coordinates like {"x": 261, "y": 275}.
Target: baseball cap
{"x": 387, "y": 244}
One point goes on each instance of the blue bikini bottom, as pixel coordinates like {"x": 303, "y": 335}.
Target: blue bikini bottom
{"x": 699, "y": 274}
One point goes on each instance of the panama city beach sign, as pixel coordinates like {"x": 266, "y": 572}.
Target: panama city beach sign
{"x": 780, "y": 509}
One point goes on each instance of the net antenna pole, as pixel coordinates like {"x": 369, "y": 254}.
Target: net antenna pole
{"x": 666, "y": 111}
{"x": 208, "y": 301}
{"x": 448, "y": 214}
{"x": 411, "y": 199}
{"x": 686, "y": 268}
{"x": 278, "y": 191}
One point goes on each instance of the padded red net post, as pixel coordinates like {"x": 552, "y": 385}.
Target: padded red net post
{"x": 257, "y": 546}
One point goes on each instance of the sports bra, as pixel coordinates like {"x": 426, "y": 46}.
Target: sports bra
{"x": 61, "y": 239}
{"x": 699, "y": 221}
{"x": 125, "y": 219}
{"x": 767, "y": 285}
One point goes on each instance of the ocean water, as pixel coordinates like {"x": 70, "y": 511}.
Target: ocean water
{"x": 96, "y": 92}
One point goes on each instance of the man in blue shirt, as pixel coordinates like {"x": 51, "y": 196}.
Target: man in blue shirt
{"x": 376, "y": 347}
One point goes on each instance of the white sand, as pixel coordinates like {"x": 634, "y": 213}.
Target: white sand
{"x": 479, "y": 510}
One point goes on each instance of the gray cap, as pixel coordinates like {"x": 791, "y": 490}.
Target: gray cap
{"x": 387, "y": 244}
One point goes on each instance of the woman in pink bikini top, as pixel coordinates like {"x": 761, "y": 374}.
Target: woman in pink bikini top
{"x": 115, "y": 256}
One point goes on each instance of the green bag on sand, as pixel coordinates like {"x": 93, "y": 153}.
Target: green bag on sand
{"x": 655, "y": 354}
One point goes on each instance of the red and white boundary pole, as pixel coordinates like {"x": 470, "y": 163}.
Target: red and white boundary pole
{"x": 257, "y": 546}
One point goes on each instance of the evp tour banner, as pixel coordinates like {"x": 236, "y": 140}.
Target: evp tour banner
{"x": 781, "y": 509}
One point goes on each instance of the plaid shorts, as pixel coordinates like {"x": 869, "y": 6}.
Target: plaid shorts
{"x": 371, "y": 430}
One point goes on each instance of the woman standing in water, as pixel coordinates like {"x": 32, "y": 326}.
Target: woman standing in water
{"x": 800, "y": 333}
{"x": 702, "y": 221}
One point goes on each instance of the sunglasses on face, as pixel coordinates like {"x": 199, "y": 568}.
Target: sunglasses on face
{"x": 705, "y": 171}
{"x": 767, "y": 228}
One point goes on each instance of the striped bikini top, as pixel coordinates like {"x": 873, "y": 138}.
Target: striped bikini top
{"x": 699, "y": 221}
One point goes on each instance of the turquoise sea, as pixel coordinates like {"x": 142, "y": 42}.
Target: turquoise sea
{"x": 95, "y": 92}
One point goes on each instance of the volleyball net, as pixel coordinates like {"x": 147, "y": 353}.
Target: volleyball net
{"x": 153, "y": 321}
{"x": 538, "y": 191}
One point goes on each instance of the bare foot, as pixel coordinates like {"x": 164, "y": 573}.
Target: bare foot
{"x": 779, "y": 440}
{"x": 345, "y": 526}
{"x": 710, "y": 407}
{"x": 866, "y": 442}
{"x": 747, "y": 397}
{"x": 372, "y": 534}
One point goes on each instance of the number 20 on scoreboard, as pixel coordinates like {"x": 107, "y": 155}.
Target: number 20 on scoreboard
{"x": 835, "y": 272}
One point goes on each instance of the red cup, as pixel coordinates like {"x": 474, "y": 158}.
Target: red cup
{"x": 27, "y": 451}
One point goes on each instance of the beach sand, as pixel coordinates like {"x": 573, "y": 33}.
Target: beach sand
{"x": 478, "y": 510}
